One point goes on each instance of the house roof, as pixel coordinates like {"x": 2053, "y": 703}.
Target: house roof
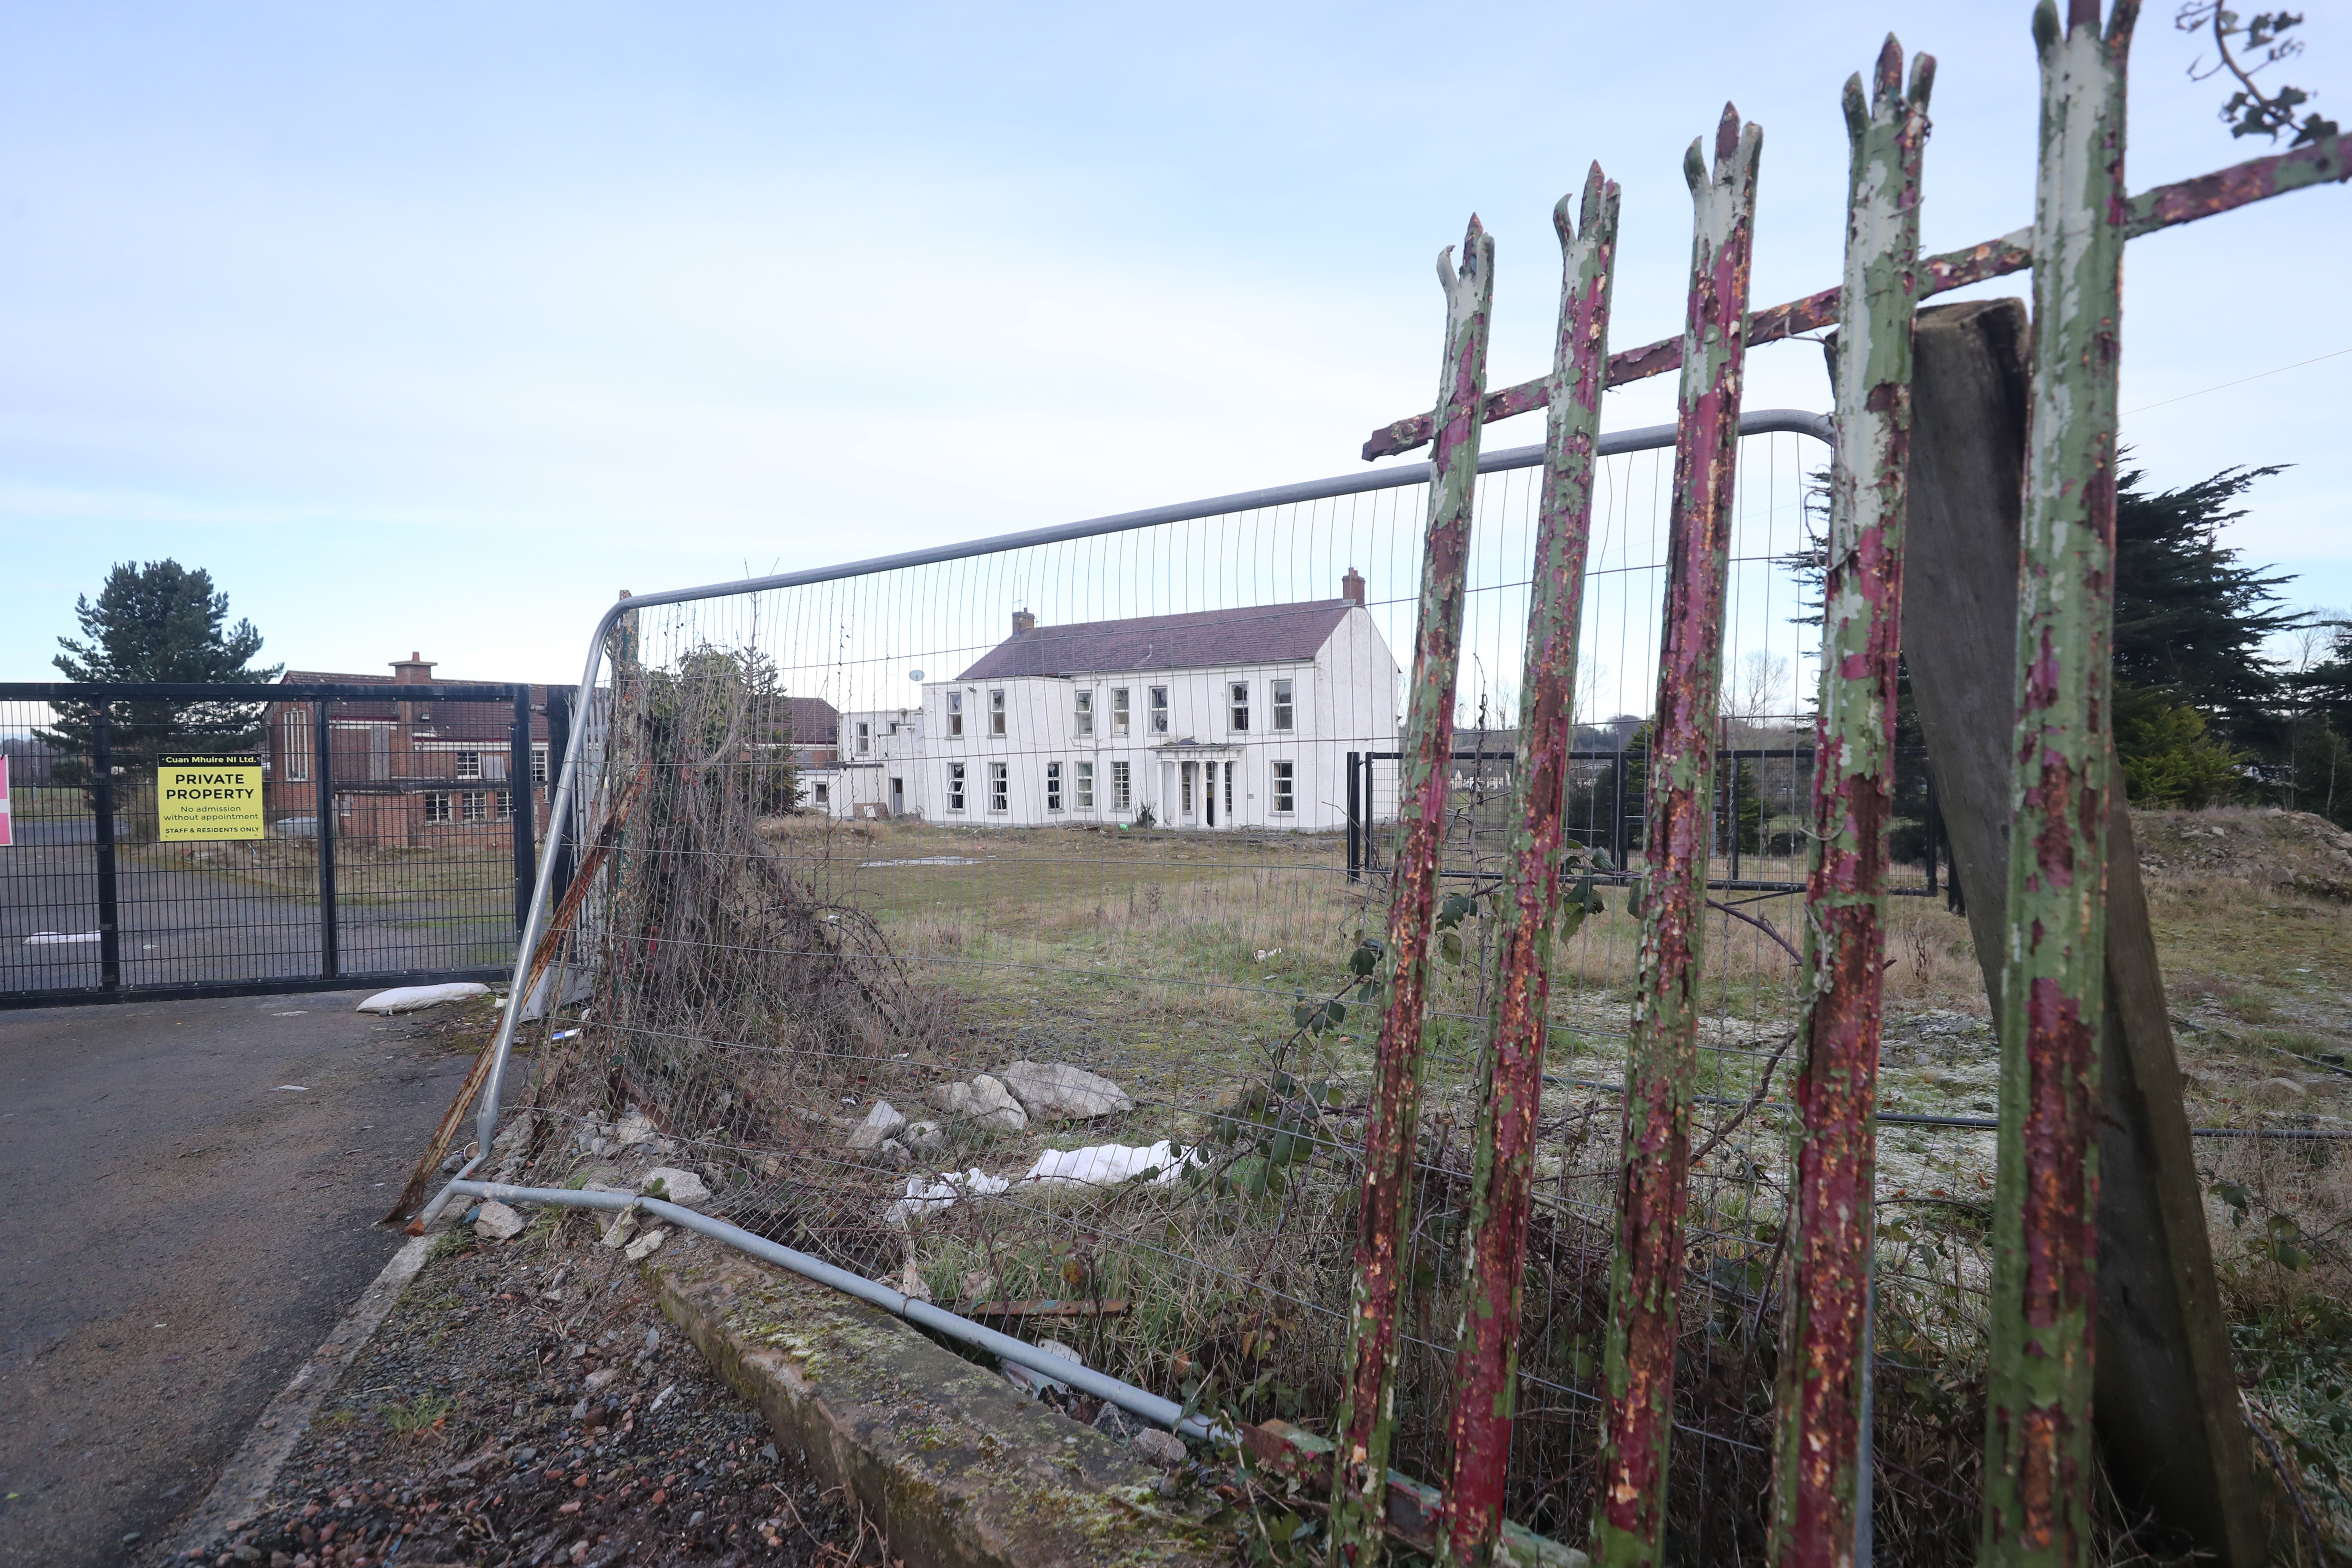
{"x": 1264, "y": 634}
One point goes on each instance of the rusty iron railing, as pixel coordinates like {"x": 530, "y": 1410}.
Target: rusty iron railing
{"x": 1367, "y": 1420}
{"x": 1821, "y": 1488}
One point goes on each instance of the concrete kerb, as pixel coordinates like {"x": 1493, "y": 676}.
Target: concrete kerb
{"x": 959, "y": 1469}
{"x": 246, "y": 1480}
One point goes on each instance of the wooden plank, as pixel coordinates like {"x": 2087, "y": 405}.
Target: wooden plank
{"x": 2165, "y": 1402}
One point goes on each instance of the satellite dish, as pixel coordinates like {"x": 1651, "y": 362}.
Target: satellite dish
{"x": 914, "y": 674}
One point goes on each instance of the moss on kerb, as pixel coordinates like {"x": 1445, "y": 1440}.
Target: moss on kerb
{"x": 963, "y": 1471}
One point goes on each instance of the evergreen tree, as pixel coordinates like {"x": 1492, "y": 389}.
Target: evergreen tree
{"x": 157, "y": 623}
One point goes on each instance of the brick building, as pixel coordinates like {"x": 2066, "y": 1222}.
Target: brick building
{"x": 407, "y": 774}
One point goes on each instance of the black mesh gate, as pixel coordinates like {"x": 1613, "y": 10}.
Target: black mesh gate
{"x": 365, "y": 833}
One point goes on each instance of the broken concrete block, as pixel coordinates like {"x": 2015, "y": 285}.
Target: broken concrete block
{"x": 924, "y": 1137}
{"x": 634, "y": 1129}
{"x": 880, "y": 1123}
{"x": 674, "y": 1185}
{"x": 496, "y": 1222}
{"x": 984, "y": 1101}
{"x": 1162, "y": 1448}
{"x": 1059, "y": 1092}
{"x": 646, "y": 1246}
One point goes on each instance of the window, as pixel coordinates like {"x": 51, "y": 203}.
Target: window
{"x": 1118, "y": 791}
{"x": 1282, "y": 705}
{"x": 1052, "y": 787}
{"x": 999, "y": 788}
{"x": 539, "y": 763}
{"x": 865, "y": 737}
{"x": 1160, "y": 710}
{"x": 1085, "y": 713}
{"x": 1285, "y": 787}
{"x": 1238, "y": 695}
{"x": 1118, "y": 709}
{"x": 825, "y": 794}
{"x": 1186, "y": 772}
{"x": 506, "y": 804}
{"x": 436, "y": 805}
{"x": 298, "y": 746}
{"x": 469, "y": 764}
{"x": 476, "y": 805}
{"x": 1229, "y": 792}
{"x": 996, "y": 712}
{"x": 955, "y": 787}
{"x": 955, "y": 715}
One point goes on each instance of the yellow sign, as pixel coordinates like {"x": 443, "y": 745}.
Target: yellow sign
{"x": 208, "y": 797}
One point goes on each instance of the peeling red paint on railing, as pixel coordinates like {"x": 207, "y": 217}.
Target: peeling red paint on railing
{"x": 1367, "y": 1416}
{"x": 1821, "y": 1401}
{"x": 2325, "y": 162}
{"x": 2037, "y": 1454}
{"x": 1485, "y": 1362}
{"x": 1646, "y": 1273}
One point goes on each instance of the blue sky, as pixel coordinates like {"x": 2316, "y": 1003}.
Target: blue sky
{"x": 430, "y": 326}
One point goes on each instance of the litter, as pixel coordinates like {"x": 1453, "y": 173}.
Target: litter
{"x": 410, "y": 998}
{"x": 55, "y": 939}
{"x": 296, "y": 1087}
{"x": 1101, "y": 1165}
{"x": 923, "y": 861}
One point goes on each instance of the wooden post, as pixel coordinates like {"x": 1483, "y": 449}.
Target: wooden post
{"x": 1821, "y": 1403}
{"x": 2166, "y": 1395}
{"x": 1486, "y": 1361}
{"x": 1366, "y": 1418}
{"x": 1646, "y": 1274}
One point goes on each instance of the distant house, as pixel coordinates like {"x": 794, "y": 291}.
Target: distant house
{"x": 1217, "y": 718}
{"x": 406, "y": 773}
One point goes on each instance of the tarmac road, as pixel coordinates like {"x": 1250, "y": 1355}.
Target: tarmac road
{"x": 178, "y": 1234}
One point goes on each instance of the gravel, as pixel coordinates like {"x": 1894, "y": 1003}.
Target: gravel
{"x": 527, "y": 1403}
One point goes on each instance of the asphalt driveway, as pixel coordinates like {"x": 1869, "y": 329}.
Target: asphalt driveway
{"x": 180, "y": 1230}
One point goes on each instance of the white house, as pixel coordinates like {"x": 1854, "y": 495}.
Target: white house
{"x": 880, "y": 768}
{"x": 1239, "y": 717}
{"x": 1219, "y": 719}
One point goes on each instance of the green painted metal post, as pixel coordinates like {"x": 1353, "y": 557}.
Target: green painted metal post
{"x": 2038, "y": 1453}
{"x": 1822, "y": 1447}
{"x": 1367, "y": 1403}
{"x": 1486, "y": 1361}
{"x": 1646, "y": 1276}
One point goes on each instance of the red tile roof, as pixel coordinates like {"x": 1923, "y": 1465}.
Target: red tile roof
{"x": 1265, "y": 634}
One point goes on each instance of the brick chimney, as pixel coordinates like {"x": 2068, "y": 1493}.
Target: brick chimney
{"x": 1351, "y": 586}
{"x": 413, "y": 670}
{"x": 1023, "y": 621}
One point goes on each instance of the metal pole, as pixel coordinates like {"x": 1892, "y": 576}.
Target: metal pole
{"x": 1355, "y": 819}
{"x": 1367, "y": 1415}
{"x": 1646, "y": 1274}
{"x": 110, "y": 932}
{"x": 518, "y": 823}
{"x": 322, "y": 770}
{"x": 559, "y": 745}
{"x": 1486, "y": 1360}
{"x": 2038, "y": 1449}
{"x": 1822, "y": 1456}
{"x": 1933, "y": 829}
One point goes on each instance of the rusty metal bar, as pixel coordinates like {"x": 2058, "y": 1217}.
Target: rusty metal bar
{"x": 2325, "y": 162}
{"x": 1661, "y": 1060}
{"x": 1822, "y": 1456}
{"x": 1485, "y": 1363}
{"x": 2038, "y": 1454}
{"x": 1366, "y": 1418}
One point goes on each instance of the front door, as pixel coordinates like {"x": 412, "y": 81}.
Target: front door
{"x": 897, "y": 797}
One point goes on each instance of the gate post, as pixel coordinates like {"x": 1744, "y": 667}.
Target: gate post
{"x": 559, "y": 747}
{"x": 1645, "y": 1274}
{"x": 322, "y": 770}
{"x": 518, "y": 806}
{"x": 1355, "y": 820}
{"x": 101, "y": 762}
{"x": 1367, "y": 1416}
